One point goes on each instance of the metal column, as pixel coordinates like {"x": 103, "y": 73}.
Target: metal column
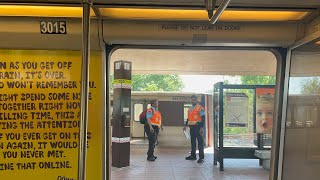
{"x": 121, "y": 114}
{"x": 82, "y": 156}
{"x": 220, "y": 155}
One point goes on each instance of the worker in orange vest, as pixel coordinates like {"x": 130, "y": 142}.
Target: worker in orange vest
{"x": 151, "y": 128}
{"x": 196, "y": 120}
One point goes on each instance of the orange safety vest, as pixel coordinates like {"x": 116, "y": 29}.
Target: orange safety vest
{"x": 194, "y": 116}
{"x": 156, "y": 117}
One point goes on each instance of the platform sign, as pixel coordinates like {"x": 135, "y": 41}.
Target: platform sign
{"x": 39, "y": 115}
{"x": 237, "y": 109}
{"x": 264, "y": 109}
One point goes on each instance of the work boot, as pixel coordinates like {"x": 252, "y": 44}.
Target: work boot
{"x": 200, "y": 161}
{"x": 191, "y": 158}
{"x": 151, "y": 158}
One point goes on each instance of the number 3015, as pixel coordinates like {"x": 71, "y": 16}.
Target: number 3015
{"x": 53, "y": 27}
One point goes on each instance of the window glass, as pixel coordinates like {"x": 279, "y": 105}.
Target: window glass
{"x": 138, "y": 108}
{"x": 302, "y": 145}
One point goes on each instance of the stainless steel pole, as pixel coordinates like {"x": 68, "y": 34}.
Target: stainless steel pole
{"x": 219, "y": 11}
{"x": 82, "y": 156}
{"x": 210, "y": 5}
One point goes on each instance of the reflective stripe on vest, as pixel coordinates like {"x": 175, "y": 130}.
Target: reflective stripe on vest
{"x": 194, "y": 116}
{"x": 156, "y": 118}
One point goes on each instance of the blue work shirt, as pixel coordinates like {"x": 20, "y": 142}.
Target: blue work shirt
{"x": 150, "y": 114}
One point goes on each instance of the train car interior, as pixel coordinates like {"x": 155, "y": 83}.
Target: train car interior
{"x": 73, "y": 85}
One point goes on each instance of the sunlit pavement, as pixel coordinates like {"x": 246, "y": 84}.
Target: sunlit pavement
{"x": 171, "y": 164}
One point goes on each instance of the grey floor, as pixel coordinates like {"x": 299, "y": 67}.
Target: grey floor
{"x": 171, "y": 165}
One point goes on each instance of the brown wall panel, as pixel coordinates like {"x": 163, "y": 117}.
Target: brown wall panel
{"x": 172, "y": 113}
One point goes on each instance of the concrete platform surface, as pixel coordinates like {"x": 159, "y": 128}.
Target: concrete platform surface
{"x": 171, "y": 165}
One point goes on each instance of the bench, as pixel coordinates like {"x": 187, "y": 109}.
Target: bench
{"x": 265, "y": 156}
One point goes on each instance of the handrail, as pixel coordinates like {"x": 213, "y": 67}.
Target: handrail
{"x": 82, "y": 156}
{"x": 210, "y": 6}
{"x": 219, "y": 11}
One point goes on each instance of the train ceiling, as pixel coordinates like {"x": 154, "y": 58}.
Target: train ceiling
{"x": 189, "y": 3}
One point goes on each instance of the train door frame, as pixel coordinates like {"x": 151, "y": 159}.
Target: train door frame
{"x": 281, "y": 56}
{"x": 278, "y": 172}
{"x": 135, "y": 123}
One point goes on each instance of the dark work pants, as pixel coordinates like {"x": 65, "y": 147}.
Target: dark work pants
{"x": 195, "y": 135}
{"x": 152, "y": 138}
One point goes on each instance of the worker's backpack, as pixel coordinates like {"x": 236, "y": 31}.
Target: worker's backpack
{"x": 143, "y": 116}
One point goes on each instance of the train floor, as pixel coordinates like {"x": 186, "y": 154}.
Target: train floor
{"x": 171, "y": 165}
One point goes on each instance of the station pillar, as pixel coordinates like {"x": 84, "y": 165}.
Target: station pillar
{"x": 121, "y": 114}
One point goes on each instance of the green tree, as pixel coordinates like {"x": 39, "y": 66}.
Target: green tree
{"x": 311, "y": 86}
{"x": 258, "y": 80}
{"x": 155, "y": 82}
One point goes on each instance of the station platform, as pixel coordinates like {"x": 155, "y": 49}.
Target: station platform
{"x": 171, "y": 165}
